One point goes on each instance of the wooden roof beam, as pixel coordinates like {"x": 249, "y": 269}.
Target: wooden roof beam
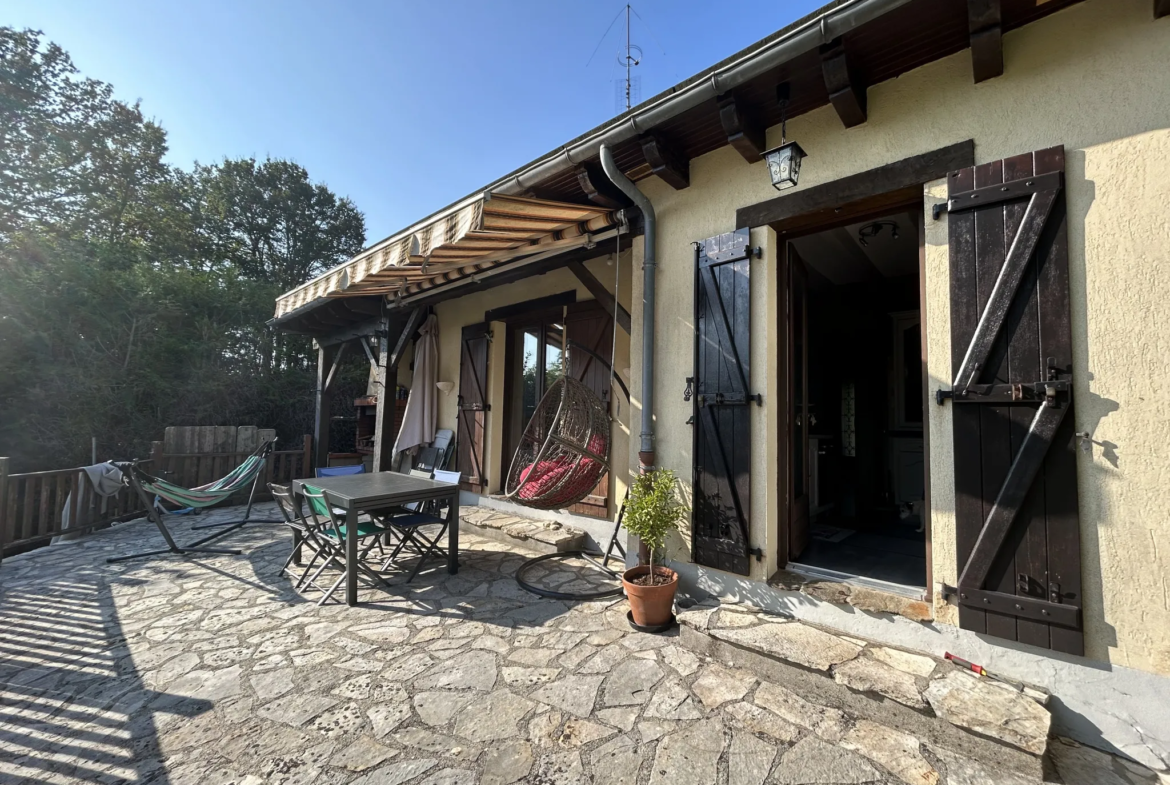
{"x": 603, "y": 296}
{"x": 743, "y": 132}
{"x": 846, "y": 92}
{"x": 666, "y": 162}
{"x": 985, "y": 23}
{"x": 1161, "y": 8}
{"x": 599, "y": 189}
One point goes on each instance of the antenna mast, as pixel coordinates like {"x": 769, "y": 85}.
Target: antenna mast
{"x": 629, "y": 60}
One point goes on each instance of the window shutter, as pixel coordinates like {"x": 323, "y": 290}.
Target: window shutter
{"x": 721, "y": 399}
{"x": 473, "y": 405}
{"x": 1016, "y": 513}
{"x": 589, "y": 332}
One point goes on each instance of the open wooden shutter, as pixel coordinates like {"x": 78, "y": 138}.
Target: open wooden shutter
{"x": 589, "y": 332}
{"x": 721, "y": 396}
{"x": 1018, "y": 533}
{"x": 473, "y": 405}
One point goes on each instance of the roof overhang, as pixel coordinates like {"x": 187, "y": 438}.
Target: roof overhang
{"x": 468, "y": 238}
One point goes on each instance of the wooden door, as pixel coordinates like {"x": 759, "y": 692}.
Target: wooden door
{"x": 1018, "y": 532}
{"x": 473, "y": 405}
{"x": 798, "y": 411}
{"x": 589, "y": 341}
{"x": 721, "y": 404}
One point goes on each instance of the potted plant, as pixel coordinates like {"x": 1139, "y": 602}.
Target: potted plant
{"x": 653, "y": 510}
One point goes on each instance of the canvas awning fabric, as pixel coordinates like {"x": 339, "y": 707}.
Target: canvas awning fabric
{"x": 472, "y": 236}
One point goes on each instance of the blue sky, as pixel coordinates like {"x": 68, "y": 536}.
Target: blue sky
{"x": 403, "y": 107}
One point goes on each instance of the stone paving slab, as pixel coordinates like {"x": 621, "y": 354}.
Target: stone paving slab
{"x": 214, "y": 670}
{"x": 539, "y": 536}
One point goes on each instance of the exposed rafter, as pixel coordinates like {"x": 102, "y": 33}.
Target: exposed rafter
{"x": 599, "y": 189}
{"x": 1161, "y": 8}
{"x": 985, "y": 23}
{"x": 743, "y": 132}
{"x": 846, "y": 92}
{"x": 666, "y": 162}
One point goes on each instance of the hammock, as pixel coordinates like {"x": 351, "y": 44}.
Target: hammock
{"x": 212, "y": 493}
{"x": 244, "y": 476}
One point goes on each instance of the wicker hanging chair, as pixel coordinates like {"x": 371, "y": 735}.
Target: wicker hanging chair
{"x": 564, "y": 451}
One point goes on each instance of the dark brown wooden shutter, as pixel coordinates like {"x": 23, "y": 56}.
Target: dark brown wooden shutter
{"x": 589, "y": 332}
{"x": 721, "y": 399}
{"x": 1018, "y": 532}
{"x": 473, "y": 405}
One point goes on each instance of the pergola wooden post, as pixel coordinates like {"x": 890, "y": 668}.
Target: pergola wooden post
{"x": 328, "y": 358}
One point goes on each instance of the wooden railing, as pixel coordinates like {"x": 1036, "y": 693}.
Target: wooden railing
{"x": 32, "y": 504}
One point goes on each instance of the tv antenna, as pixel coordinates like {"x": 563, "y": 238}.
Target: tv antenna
{"x": 628, "y": 60}
{"x": 628, "y": 91}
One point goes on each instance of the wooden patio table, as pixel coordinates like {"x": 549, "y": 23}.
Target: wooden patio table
{"x": 358, "y": 493}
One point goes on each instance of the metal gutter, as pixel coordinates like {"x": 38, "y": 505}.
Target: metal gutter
{"x": 649, "y": 267}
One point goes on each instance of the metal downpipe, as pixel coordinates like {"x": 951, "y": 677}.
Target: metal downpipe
{"x": 649, "y": 266}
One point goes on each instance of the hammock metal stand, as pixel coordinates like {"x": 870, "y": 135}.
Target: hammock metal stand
{"x": 133, "y": 476}
{"x": 130, "y": 472}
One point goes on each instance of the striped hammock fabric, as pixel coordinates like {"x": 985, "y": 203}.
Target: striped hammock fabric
{"x": 212, "y": 493}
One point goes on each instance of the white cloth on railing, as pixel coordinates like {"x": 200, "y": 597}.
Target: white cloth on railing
{"x": 106, "y": 479}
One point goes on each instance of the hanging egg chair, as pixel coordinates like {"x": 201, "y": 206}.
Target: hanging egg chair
{"x": 564, "y": 451}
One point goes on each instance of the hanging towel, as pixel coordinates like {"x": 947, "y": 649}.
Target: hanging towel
{"x": 106, "y": 479}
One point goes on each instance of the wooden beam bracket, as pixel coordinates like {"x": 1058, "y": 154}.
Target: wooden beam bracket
{"x": 604, "y": 297}
{"x": 985, "y": 23}
{"x": 1161, "y": 8}
{"x": 665, "y": 162}
{"x": 846, "y": 92}
{"x": 599, "y": 189}
{"x": 743, "y": 132}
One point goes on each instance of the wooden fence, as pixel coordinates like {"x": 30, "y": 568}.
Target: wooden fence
{"x": 32, "y": 504}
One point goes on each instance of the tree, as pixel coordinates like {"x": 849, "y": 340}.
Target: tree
{"x": 73, "y": 160}
{"x": 134, "y": 294}
{"x": 275, "y": 225}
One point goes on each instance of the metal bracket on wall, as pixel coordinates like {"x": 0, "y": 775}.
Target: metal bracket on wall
{"x": 939, "y": 208}
{"x": 757, "y": 552}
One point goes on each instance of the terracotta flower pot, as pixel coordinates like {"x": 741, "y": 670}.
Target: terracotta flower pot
{"x": 650, "y": 605}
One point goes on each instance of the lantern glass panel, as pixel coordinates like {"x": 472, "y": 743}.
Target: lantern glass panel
{"x": 784, "y": 165}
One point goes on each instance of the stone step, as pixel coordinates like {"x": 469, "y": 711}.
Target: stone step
{"x": 994, "y": 723}
{"x": 539, "y": 536}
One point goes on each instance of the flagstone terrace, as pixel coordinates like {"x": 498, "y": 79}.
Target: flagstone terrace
{"x": 214, "y": 670}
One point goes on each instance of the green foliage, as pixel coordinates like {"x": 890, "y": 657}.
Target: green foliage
{"x": 654, "y": 509}
{"x": 134, "y": 294}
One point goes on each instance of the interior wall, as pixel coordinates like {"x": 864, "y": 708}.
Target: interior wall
{"x": 457, "y": 313}
{"x": 1088, "y": 78}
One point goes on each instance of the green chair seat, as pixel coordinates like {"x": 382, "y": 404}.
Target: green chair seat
{"x": 364, "y": 529}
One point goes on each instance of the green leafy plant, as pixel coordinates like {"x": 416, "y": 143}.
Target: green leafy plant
{"x": 655, "y": 508}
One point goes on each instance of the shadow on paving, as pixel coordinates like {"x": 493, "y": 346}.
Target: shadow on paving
{"x": 72, "y": 702}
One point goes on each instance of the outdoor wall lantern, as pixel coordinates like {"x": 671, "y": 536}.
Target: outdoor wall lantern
{"x": 784, "y": 161}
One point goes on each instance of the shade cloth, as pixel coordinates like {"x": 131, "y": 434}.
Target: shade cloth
{"x": 422, "y": 407}
{"x": 469, "y": 237}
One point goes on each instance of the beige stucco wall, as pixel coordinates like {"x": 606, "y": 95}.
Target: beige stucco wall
{"x": 456, "y": 314}
{"x": 1094, "y": 79}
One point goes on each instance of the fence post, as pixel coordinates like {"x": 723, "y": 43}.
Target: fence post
{"x": 307, "y": 462}
{"x": 3, "y": 505}
{"x": 156, "y": 459}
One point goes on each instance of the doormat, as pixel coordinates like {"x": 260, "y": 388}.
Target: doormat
{"x": 831, "y": 533}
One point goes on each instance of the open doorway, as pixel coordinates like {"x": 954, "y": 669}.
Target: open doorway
{"x": 855, "y": 398}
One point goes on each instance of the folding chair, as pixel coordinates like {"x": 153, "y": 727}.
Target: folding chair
{"x": 329, "y": 532}
{"x": 409, "y": 527}
{"x": 340, "y": 471}
{"x": 302, "y": 533}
